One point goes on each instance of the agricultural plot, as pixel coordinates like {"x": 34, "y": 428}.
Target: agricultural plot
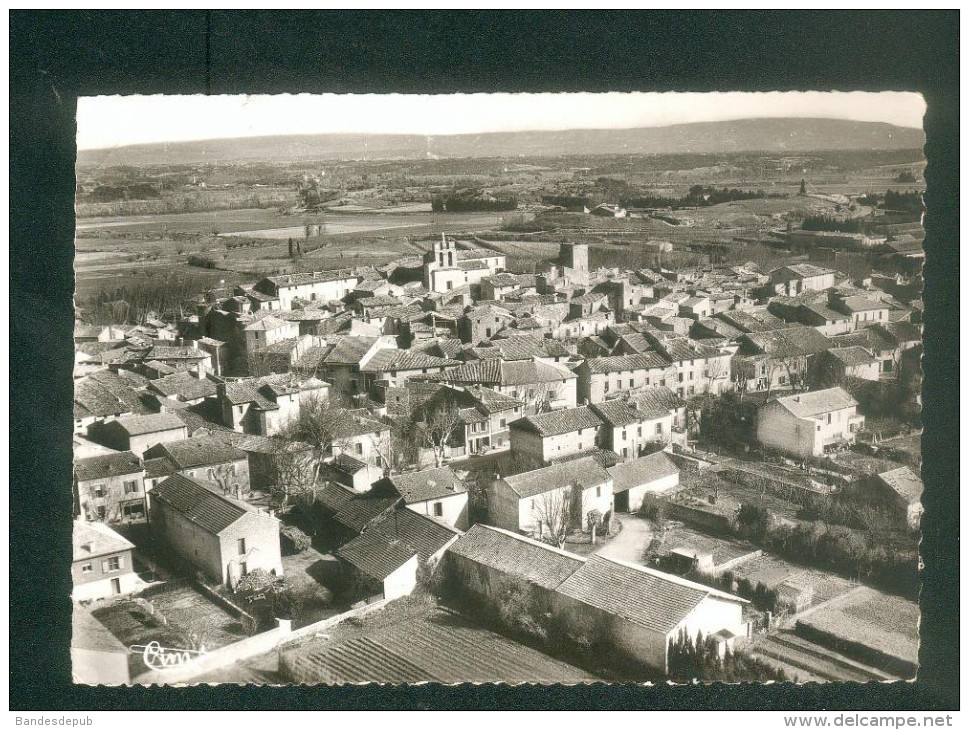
{"x": 678, "y": 535}
{"x": 805, "y": 661}
{"x": 868, "y": 621}
{"x": 439, "y": 647}
{"x": 772, "y": 571}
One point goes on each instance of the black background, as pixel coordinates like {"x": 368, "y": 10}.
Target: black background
{"x": 57, "y": 56}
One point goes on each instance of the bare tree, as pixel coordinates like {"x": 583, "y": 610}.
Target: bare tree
{"x": 296, "y": 471}
{"x": 317, "y": 424}
{"x": 717, "y": 369}
{"x": 436, "y": 426}
{"x": 259, "y": 363}
{"x": 559, "y": 512}
{"x": 224, "y": 475}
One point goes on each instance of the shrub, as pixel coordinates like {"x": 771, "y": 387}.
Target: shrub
{"x": 203, "y": 262}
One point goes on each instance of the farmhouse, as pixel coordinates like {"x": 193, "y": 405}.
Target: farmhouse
{"x": 315, "y": 286}
{"x": 636, "y": 423}
{"x": 521, "y": 502}
{"x": 137, "y": 433}
{"x": 547, "y": 436}
{"x": 223, "y": 537}
{"x": 436, "y": 493}
{"x": 488, "y": 563}
{"x": 633, "y": 480}
{"x": 902, "y": 490}
{"x": 602, "y": 377}
{"x": 640, "y": 611}
{"x": 804, "y": 424}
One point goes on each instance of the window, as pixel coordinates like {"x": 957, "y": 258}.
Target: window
{"x": 130, "y": 487}
{"x": 691, "y": 375}
{"x": 679, "y": 379}
{"x": 502, "y": 423}
{"x": 630, "y": 382}
{"x": 359, "y": 448}
{"x": 659, "y": 428}
{"x": 580, "y": 432}
{"x": 624, "y": 435}
{"x": 599, "y": 489}
{"x": 241, "y": 545}
{"x": 112, "y": 564}
{"x": 691, "y": 390}
{"x": 98, "y": 491}
{"x": 101, "y": 512}
{"x": 639, "y": 431}
{"x": 450, "y": 286}
{"x": 829, "y": 419}
{"x": 87, "y": 568}
{"x": 438, "y": 509}
{"x": 606, "y": 388}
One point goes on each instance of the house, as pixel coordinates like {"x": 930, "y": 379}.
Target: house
{"x": 639, "y": 422}
{"x": 489, "y": 563}
{"x": 521, "y": 502}
{"x": 483, "y": 416}
{"x": 864, "y": 311}
{"x": 436, "y": 493}
{"x": 101, "y": 564}
{"x": 446, "y": 267}
{"x": 833, "y": 366}
{"x": 351, "y": 473}
{"x": 392, "y": 367}
{"x": 223, "y": 537}
{"x": 640, "y": 612}
{"x": 136, "y": 433}
{"x": 633, "y": 480}
{"x": 110, "y": 488}
{"x": 481, "y": 323}
{"x": 310, "y": 286}
{"x": 204, "y": 457}
{"x": 793, "y": 280}
{"x": 902, "y": 489}
{"x": 543, "y": 437}
{"x": 360, "y": 435}
{"x": 602, "y": 377}
{"x": 536, "y": 382}
{"x": 388, "y": 553}
{"x": 184, "y": 386}
{"x": 263, "y": 406}
{"x": 805, "y": 424}
{"x": 778, "y": 358}
{"x": 103, "y": 395}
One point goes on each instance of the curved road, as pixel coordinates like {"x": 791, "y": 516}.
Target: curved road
{"x": 630, "y": 543}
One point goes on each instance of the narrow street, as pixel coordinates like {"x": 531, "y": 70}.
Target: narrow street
{"x": 629, "y": 544}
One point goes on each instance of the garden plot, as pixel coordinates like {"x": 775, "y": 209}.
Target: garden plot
{"x": 868, "y": 622}
{"x": 772, "y": 571}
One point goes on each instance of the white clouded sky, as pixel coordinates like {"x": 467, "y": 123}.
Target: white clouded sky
{"x": 111, "y": 121}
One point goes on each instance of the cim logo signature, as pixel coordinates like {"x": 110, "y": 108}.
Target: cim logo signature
{"x": 159, "y": 657}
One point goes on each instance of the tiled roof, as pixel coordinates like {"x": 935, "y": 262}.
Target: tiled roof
{"x": 247, "y": 391}
{"x": 199, "y": 451}
{"x": 623, "y": 363}
{"x": 424, "y": 535}
{"x": 802, "y": 270}
{"x": 817, "y": 402}
{"x": 852, "y": 356}
{"x": 160, "y": 466}
{"x": 106, "y": 465}
{"x": 349, "y": 349}
{"x": 375, "y": 555}
{"x": 555, "y": 423}
{"x": 586, "y": 472}
{"x": 603, "y": 457}
{"x": 518, "y": 556}
{"x": 649, "y": 598}
{"x": 642, "y": 406}
{"x": 201, "y": 503}
{"x": 184, "y": 385}
{"x": 788, "y": 342}
{"x": 346, "y": 464}
{"x": 358, "y": 512}
{"x": 350, "y": 423}
{"x": 392, "y": 359}
{"x": 334, "y": 497}
{"x": 862, "y": 304}
{"x": 420, "y": 486}
{"x": 90, "y": 539}
{"x": 904, "y": 482}
{"x": 642, "y": 471}
{"x": 496, "y": 372}
{"x": 151, "y": 423}
{"x": 309, "y": 277}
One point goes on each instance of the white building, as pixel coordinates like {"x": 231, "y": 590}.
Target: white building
{"x": 804, "y": 424}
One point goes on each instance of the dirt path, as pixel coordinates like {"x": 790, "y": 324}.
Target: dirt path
{"x": 629, "y": 544}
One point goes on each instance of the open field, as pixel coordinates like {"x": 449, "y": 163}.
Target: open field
{"x": 866, "y": 619}
{"x": 433, "y": 645}
{"x": 805, "y": 661}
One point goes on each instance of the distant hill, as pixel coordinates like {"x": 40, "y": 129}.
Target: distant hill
{"x": 744, "y": 135}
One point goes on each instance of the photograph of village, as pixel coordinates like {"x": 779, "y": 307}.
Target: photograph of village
{"x": 613, "y": 397}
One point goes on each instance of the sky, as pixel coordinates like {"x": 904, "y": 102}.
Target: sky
{"x": 114, "y": 121}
